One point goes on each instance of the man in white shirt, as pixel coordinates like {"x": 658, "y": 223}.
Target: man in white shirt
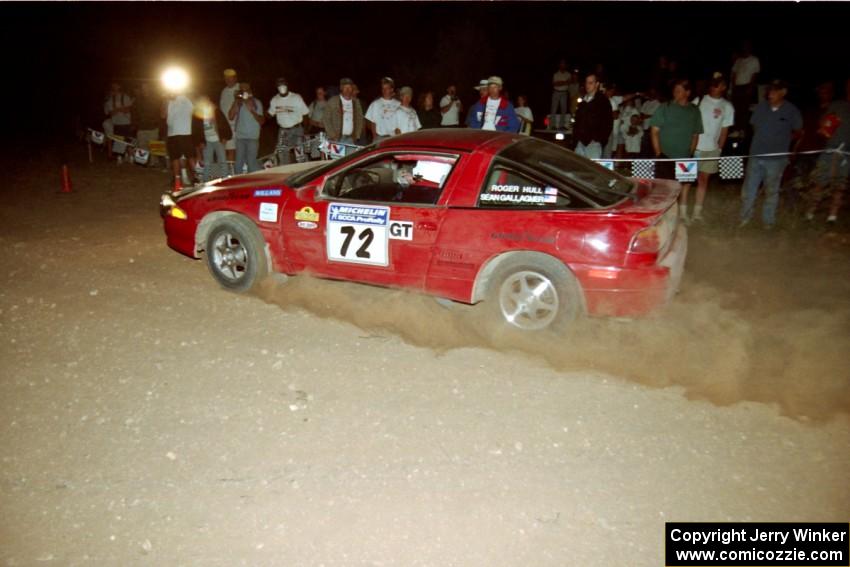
{"x": 560, "y": 96}
{"x": 381, "y": 113}
{"x": 289, "y": 110}
{"x": 526, "y": 117}
{"x": 745, "y": 72}
{"x": 177, "y": 112}
{"x": 405, "y": 119}
{"x": 450, "y": 107}
{"x": 225, "y": 103}
{"x": 718, "y": 115}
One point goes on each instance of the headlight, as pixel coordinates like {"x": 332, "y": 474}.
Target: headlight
{"x": 167, "y": 207}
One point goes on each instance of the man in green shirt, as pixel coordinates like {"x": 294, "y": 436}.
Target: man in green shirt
{"x": 675, "y": 128}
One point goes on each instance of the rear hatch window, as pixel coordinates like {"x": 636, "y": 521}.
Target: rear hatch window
{"x": 588, "y": 179}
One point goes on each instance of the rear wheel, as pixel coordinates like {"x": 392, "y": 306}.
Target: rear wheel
{"x": 530, "y": 295}
{"x": 235, "y": 254}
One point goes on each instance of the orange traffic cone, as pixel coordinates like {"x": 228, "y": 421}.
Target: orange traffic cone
{"x": 66, "y": 180}
{"x": 178, "y": 185}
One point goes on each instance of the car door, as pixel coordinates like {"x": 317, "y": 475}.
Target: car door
{"x": 376, "y": 221}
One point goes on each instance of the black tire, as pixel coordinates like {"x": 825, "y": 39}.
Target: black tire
{"x": 235, "y": 254}
{"x": 559, "y": 304}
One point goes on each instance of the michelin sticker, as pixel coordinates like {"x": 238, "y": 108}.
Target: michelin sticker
{"x": 358, "y": 234}
{"x": 267, "y": 193}
{"x": 307, "y": 214}
{"x": 268, "y": 212}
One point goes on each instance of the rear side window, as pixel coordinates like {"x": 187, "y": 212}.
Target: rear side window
{"x": 507, "y": 188}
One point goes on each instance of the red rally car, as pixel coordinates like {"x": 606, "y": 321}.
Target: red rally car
{"x": 536, "y": 233}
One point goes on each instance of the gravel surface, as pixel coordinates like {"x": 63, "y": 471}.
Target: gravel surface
{"x": 150, "y": 418}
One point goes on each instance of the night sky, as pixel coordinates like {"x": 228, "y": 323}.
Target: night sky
{"x": 61, "y": 57}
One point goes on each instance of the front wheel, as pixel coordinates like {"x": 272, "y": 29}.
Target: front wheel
{"x": 235, "y": 254}
{"x": 531, "y": 296}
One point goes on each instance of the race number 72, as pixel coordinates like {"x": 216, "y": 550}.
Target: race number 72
{"x": 358, "y": 234}
{"x": 366, "y": 237}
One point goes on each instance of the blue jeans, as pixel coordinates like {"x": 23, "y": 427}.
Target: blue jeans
{"x": 762, "y": 170}
{"x": 591, "y": 151}
{"x": 246, "y": 154}
{"x": 214, "y": 152}
{"x": 560, "y": 102}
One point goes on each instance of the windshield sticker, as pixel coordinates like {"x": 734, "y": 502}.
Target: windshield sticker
{"x": 307, "y": 214}
{"x": 267, "y": 193}
{"x": 522, "y": 199}
{"x": 526, "y": 189}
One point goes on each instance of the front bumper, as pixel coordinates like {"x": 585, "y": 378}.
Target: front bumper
{"x": 179, "y": 232}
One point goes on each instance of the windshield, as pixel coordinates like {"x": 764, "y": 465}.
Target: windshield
{"x": 601, "y": 185}
{"x": 304, "y": 177}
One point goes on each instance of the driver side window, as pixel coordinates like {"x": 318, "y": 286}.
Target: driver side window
{"x": 393, "y": 179}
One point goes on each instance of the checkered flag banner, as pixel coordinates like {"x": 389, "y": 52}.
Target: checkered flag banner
{"x": 643, "y": 169}
{"x": 731, "y": 167}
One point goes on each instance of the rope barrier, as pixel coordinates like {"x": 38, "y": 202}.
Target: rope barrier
{"x": 730, "y": 167}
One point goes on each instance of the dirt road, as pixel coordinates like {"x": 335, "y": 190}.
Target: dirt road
{"x": 149, "y": 418}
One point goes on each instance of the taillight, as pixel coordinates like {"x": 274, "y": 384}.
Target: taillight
{"x": 646, "y": 241}
{"x": 653, "y": 239}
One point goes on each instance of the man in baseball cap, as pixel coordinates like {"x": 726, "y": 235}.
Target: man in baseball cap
{"x": 776, "y": 123}
{"x": 343, "y": 117}
{"x": 493, "y": 111}
{"x": 380, "y": 115}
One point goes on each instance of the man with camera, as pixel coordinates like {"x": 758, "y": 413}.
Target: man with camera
{"x": 247, "y": 112}
{"x": 289, "y": 110}
{"x": 225, "y": 101}
{"x": 450, "y": 107}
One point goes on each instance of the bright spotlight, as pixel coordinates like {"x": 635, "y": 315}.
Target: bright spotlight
{"x": 175, "y": 79}
{"x": 559, "y": 136}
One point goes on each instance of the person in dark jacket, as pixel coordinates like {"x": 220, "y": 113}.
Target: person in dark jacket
{"x": 211, "y": 131}
{"x": 493, "y": 111}
{"x": 343, "y": 117}
{"x": 594, "y": 120}
{"x": 429, "y": 115}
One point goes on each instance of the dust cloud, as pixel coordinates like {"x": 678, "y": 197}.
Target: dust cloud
{"x": 760, "y": 317}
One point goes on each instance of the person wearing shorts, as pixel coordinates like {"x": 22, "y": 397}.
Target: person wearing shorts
{"x": 179, "y": 143}
{"x": 718, "y": 115}
{"x": 675, "y": 128}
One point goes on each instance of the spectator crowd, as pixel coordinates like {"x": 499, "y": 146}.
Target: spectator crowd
{"x": 671, "y": 119}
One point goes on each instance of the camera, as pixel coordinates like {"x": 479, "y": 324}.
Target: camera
{"x": 243, "y": 95}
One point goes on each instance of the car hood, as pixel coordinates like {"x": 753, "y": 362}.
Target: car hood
{"x": 271, "y": 178}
